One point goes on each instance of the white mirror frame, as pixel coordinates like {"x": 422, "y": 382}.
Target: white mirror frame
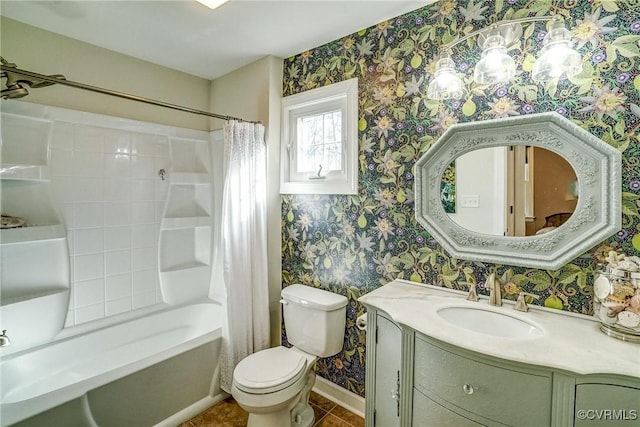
{"x": 597, "y": 215}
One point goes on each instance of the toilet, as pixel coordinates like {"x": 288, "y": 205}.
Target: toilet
{"x": 273, "y": 385}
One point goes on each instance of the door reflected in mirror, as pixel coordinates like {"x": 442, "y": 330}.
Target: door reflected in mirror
{"x": 510, "y": 190}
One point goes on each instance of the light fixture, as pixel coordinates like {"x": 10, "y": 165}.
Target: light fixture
{"x": 495, "y": 65}
{"x": 445, "y": 84}
{"x": 557, "y": 58}
{"x": 212, "y": 4}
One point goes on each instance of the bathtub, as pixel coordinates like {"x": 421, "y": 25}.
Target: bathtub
{"x": 158, "y": 369}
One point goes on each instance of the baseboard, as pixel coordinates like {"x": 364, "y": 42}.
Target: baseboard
{"x": 340, "y": 396}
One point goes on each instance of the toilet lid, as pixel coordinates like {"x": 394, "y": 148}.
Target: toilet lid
{"x": 270, "y": 370}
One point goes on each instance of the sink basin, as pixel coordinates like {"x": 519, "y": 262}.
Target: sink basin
{"x": 489, "y": 322}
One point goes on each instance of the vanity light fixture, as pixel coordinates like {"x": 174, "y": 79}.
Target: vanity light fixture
{"x": 557, "y": 58}
{"x": 445, "y": 84}
{"x": 495, "y": 65}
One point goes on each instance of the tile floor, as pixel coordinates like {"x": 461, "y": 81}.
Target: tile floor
{"x": 228, "y": 414}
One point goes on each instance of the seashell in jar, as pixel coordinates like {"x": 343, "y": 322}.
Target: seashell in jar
{"x": 635, "y": 259}
{"x": 614, "y": 306}
{"x": 623, "y": 291}
{"x": 634, "y": 303}
{"x": 606, "y": 317}
{"x": 628, "y": 319}
{"x": 613, "y": 258}
{"x": 627, "y": 265}
{"x": 602, "y": 287}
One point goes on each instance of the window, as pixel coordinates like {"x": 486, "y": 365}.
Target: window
{"x": 320, "y": 141}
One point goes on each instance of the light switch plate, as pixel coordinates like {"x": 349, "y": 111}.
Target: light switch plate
{"x": 469, "y": 201}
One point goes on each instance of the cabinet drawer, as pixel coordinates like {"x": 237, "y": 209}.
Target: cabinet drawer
{"x": 497, "y": 393}
{"x": 607, "y": 404}
{"x": 427, "y": 413}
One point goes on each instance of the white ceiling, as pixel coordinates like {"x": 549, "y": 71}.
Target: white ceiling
{"x": 187, "y": 36}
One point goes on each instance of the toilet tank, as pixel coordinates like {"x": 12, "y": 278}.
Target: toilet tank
{"x": 314, "y": 319}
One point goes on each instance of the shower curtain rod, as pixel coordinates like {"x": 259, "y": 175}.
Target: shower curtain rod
{"x": 10, "y": 69}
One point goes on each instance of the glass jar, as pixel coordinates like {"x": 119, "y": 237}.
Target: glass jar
{"x": 617, "y": 302}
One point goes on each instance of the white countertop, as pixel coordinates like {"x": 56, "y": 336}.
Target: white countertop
{"x": 570, "y": 342}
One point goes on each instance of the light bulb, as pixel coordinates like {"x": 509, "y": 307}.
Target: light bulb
{"x": 495, "y": 65}
{"x": 557, "y": 58}
{"x": 445, "y": 84}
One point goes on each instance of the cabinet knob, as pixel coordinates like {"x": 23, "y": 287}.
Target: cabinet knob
{"x": 467, "y": 388}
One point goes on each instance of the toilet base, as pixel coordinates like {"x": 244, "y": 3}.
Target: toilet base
{"x": 272, "y": 419}
{"x": 297, "y": 414}
{"x": 302, "y": 415}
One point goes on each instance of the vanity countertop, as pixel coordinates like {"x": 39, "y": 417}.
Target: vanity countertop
{"x": 570, "y": 342}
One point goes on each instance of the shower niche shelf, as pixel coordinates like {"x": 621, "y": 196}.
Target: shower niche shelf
{"x": 188, "y": 201}
{"x": 189, "y": 157}
{"x": 186, "y": 227}
{"x": 185, "y": 248}
{"x": 25, "y": 188}
{"x": 31, "y": 201}
{"x": 32, "y": 233}
{"x": 185, "y": 264}
{"x": 24, "y": 172}
{"x": 193, "y": 178}
{"x": 185, "y": 222}
{"x": 25, "y": 140}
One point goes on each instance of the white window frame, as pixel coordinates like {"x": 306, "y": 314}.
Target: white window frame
{"x": 341, "y": 96}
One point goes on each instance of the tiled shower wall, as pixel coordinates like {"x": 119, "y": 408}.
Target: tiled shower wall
{"x": 105, "y": 183}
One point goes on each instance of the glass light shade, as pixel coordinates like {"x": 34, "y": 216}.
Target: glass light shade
{"x": 495, "y": 65}
{"x": 557, "y": 58}
{"x": 445, "y": 84}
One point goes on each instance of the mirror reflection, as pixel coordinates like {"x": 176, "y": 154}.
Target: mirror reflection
{"x": 510, "y": 190}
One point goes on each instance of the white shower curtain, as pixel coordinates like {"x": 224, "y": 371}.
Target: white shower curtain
{"x": 244, "y": 246}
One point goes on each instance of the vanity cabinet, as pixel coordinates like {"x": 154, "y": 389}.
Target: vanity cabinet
{"x": 493, "y": 392}
{"x": 603, "y": 403}
{"x": 427, "y": 413}
{"x": 419, "y": 381}
{"x": 491, "y": 366}
{"x": 387, "y": 367}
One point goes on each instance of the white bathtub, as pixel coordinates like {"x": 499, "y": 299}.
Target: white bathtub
{"x": 98, "y": 369}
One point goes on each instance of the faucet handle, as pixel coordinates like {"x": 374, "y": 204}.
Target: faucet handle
{"x": 473, "y": 294}
{"x": 495, "y": 290}
{"x": 521, "y": 303}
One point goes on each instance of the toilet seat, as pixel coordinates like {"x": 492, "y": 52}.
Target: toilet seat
{"x": 269, "y": 371}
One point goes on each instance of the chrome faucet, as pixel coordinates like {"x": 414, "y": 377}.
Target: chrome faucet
{"x": 4, "y": 339}
{"x": 495, "y": 293}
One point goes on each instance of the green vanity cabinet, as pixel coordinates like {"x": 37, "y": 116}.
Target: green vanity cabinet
{"x": 414, "y": 380}
{"x": 601, "y": 402}
{"x": 487, "y": 390}
{"x": 442, "y": 360}
{"x": 387, "y": 339}
{"x": 427, "y": 413}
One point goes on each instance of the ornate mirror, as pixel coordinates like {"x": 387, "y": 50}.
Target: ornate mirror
{"x": 534, "y": 191}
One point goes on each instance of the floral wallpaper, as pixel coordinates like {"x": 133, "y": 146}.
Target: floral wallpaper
{"x": 354, "y": 244}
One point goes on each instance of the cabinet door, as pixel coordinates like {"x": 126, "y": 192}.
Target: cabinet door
{"x": 388, "y": 360}
{"x": 473, "y": 388}
{"x": 607, "y": 404}
{"x": 427, "y": 413}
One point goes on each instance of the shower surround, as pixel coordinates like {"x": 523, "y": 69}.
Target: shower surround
{"x": 119, "y": 241}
